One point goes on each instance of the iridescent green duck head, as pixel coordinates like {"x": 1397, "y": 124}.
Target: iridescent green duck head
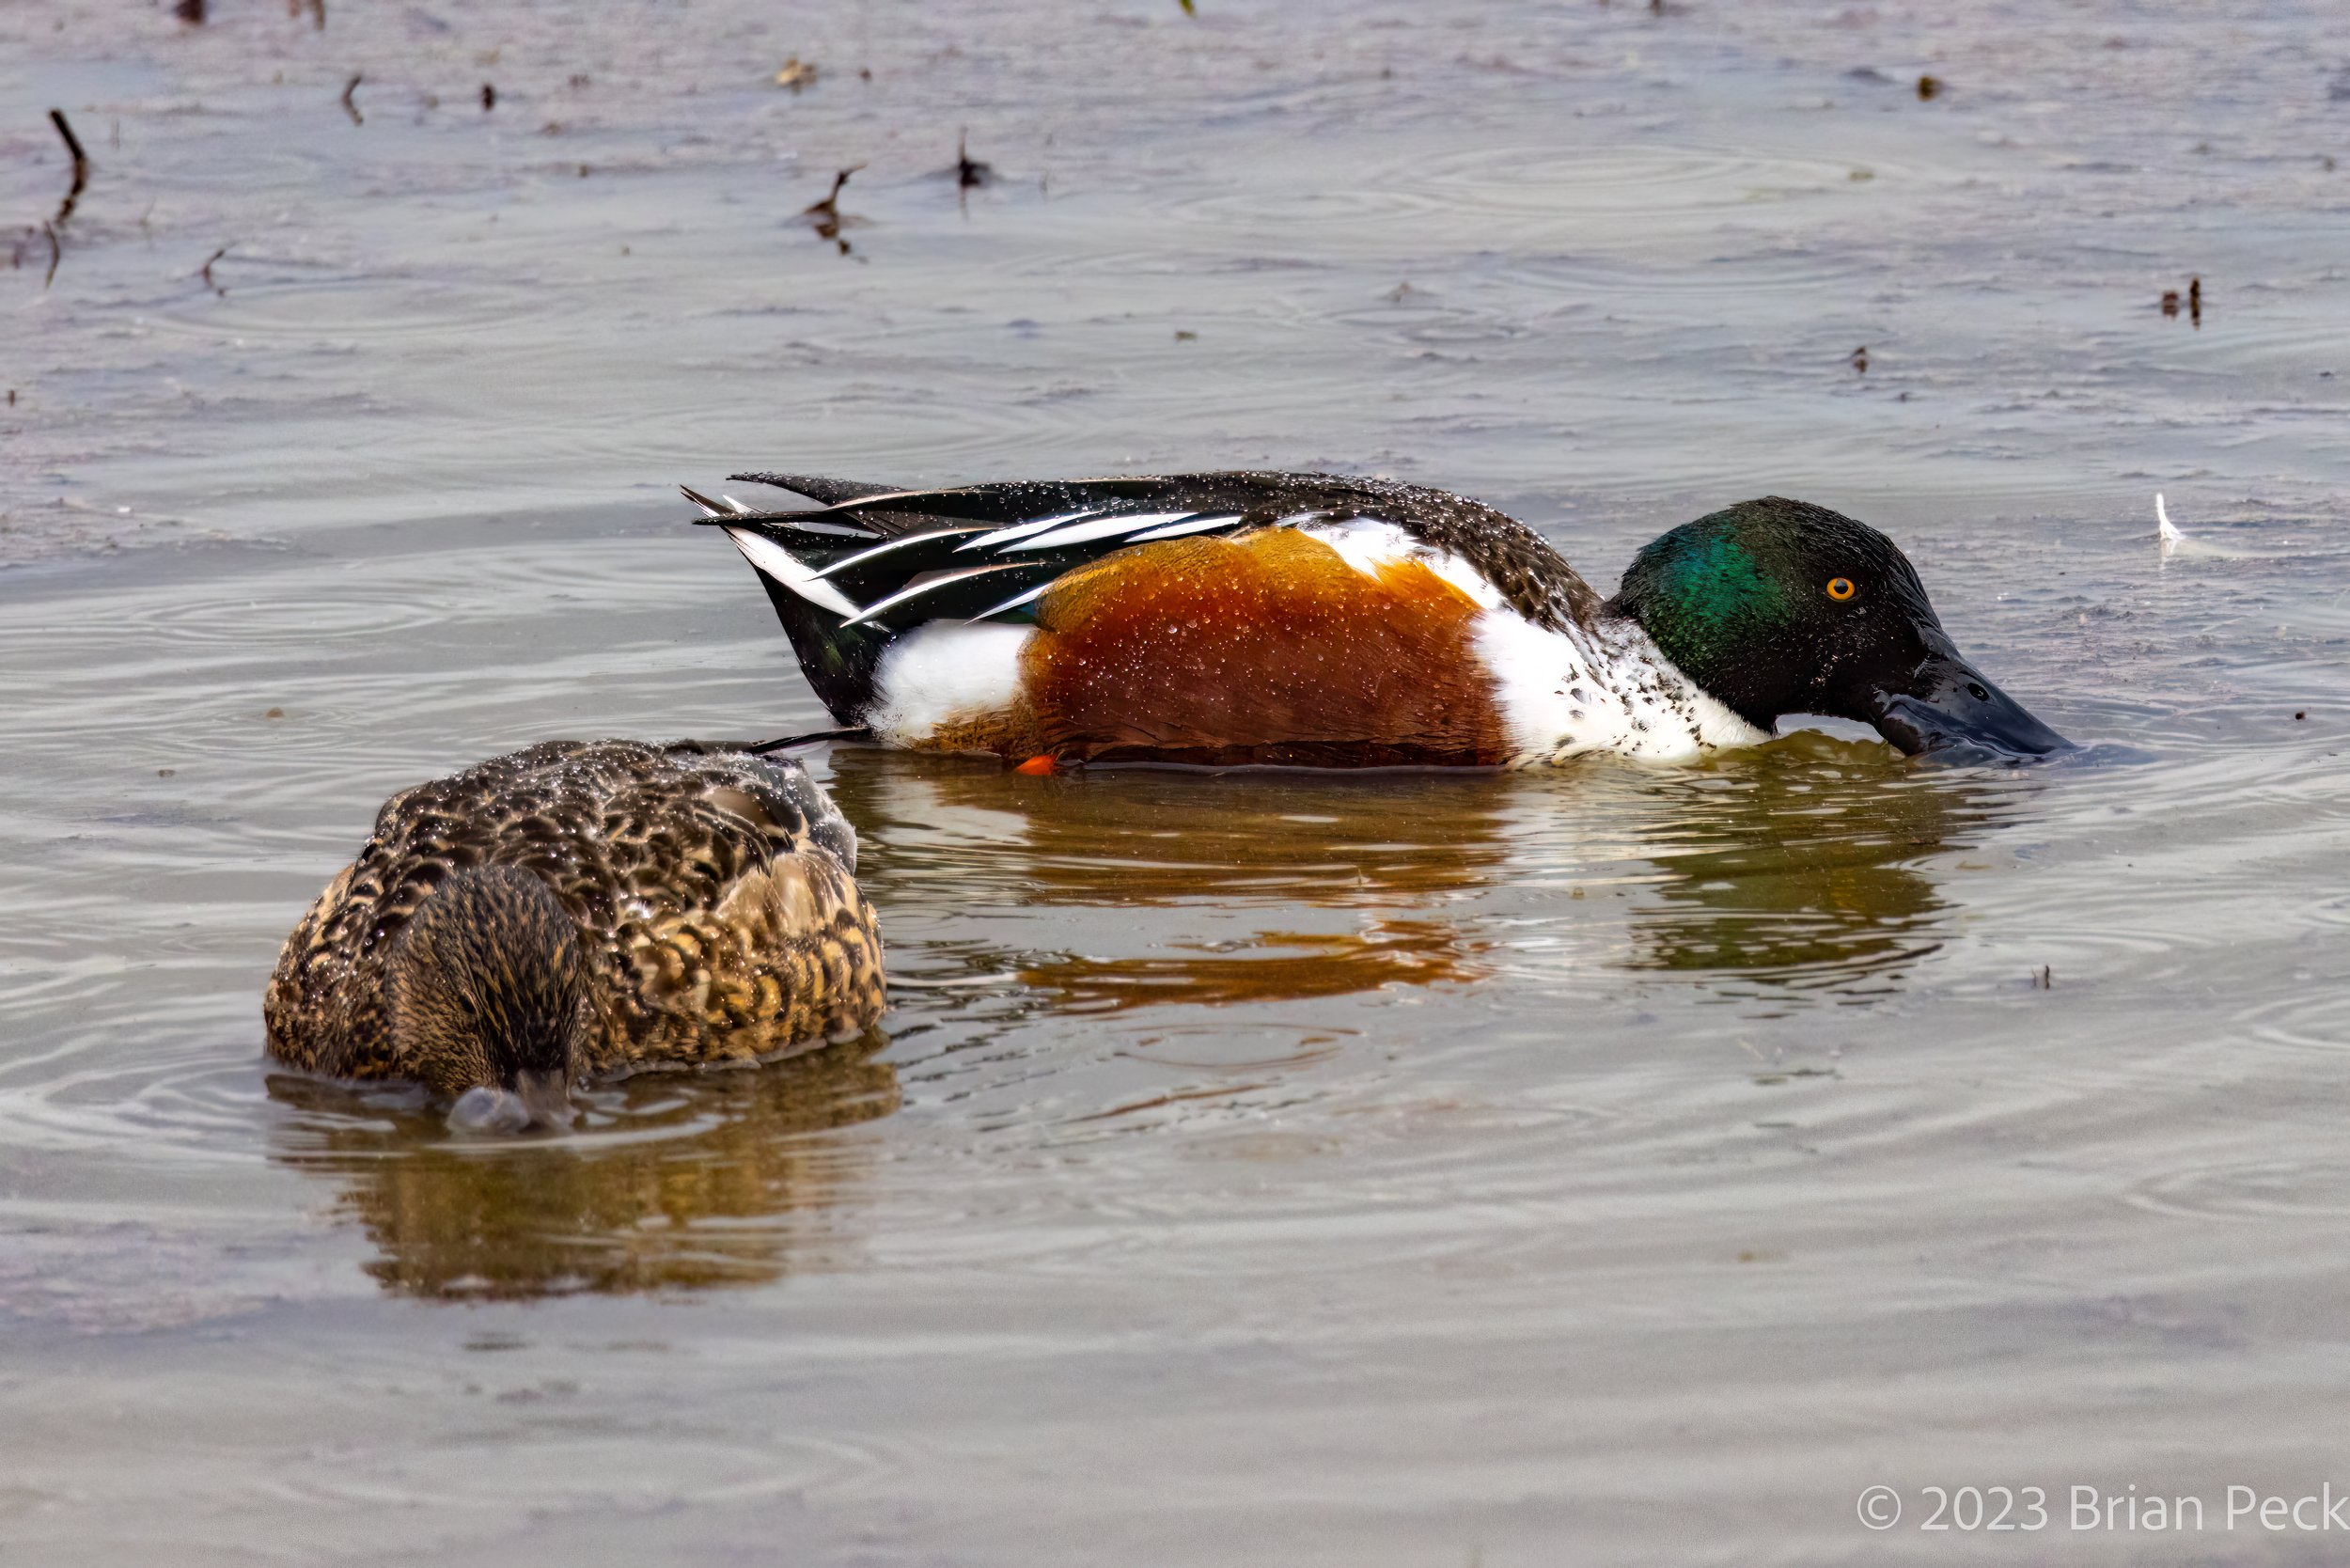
{"x": 1779, "y": 606}
{"x": 487, "y": 993}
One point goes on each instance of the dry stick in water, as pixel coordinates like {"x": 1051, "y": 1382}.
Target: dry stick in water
{"x": 81, "y": 164}
{"x": 349, "y": 87}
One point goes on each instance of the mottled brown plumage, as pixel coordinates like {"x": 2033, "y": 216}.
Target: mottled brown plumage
{"x": 704, "y": 909}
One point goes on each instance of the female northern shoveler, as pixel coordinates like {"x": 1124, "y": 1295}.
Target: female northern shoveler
{"x": 1314, "y": 619}
{"x": 579, "y": 908}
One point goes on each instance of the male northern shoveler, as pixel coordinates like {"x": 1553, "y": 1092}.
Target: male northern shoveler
{"x": 1319, "y": 620}
{"x": 581, "y": 908}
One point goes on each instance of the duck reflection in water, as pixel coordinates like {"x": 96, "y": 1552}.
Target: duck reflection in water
{"x": 1799, "y": 869}
{"x": 1144, "y": 887}
{"x": 675, "y": 1181}
{"x": 1799, "y": 864}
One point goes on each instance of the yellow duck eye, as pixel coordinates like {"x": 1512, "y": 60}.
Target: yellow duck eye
{"x": 1840, "y": 588}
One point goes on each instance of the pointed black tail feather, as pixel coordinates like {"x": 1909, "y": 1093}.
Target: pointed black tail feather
{"x": 817, "y": 488}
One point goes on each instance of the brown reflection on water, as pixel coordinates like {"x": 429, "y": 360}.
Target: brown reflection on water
{"x": 1275, "y": 967}
{"x": 1245, "y": 852}
{"x": 1798, "y": 866}
{"x": 673, "y": 1182}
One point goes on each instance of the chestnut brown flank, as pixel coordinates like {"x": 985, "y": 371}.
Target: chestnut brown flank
{"x": 1267, "y": 648}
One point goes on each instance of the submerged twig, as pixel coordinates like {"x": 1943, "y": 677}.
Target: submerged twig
{"x": 55, "y": 252}
{"x": 350, "y": 86}
{"x": 81, "y": 164}
{"x": 205, "y": 271}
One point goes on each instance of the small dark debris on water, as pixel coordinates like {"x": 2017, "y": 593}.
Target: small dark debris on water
{"x": 826, "y": 215}
{"x": 54, "y": 253}
{"x": 2194, "y": 303}
{"x": 489, "y": 96}
{"x": 1929, "y": 86}
{"x": 2297, "y": 713}
{"x": 189, "y": 11}
{"x": 1771, "y": 1080}
{"x": 166, "y": 772}
{"x": 274, "y": 713}
{"x": 349, "y": 107}
{"x": 797, "y": 74}
{"x": 969, "y": 172}
{"x": 1189, "y": 9}
{"x": 81, "y": 164}
{"x": 1859, "y": 360}
{"x": 828, "y": 210}
{"x": 316, "y": 8}
{"x": 2045, "y": 980}
{"x": 1182, "y": 335}
{"x": 205, "y": 271}
{"x": 12, "y": 404}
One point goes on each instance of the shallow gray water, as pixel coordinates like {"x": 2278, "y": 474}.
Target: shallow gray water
{"x": 1609, "y": 1166}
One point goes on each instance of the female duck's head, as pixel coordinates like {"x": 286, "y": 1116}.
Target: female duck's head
{"x": 1779, "y": 606}
{"x": 487, "y": 992}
